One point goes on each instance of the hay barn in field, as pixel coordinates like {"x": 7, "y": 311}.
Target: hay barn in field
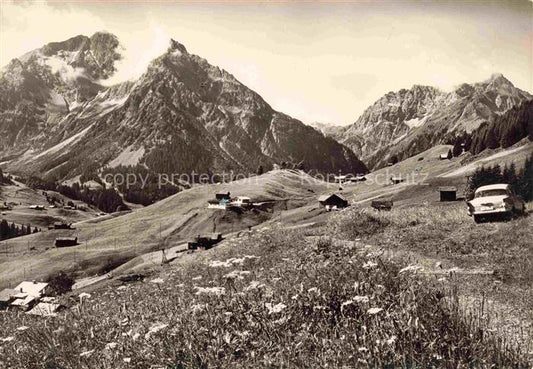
{"x": 448, "y": 193}
{"x": 333, "y": 201}
{"x": 66, "y": 241}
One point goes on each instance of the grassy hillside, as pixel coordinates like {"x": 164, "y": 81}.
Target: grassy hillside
{"x": 165, "y": 224}
{"x": 273, "y": 298}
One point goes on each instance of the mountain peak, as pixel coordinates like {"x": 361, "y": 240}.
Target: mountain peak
{"x": 500, "y": 79}
{"x": 175, "y": 45}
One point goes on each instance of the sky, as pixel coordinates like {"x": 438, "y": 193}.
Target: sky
{"x": 316, "y": 61}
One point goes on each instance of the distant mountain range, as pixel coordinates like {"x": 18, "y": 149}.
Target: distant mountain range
{"x": 58, "y": 120}
{"x": 408, "y": 122}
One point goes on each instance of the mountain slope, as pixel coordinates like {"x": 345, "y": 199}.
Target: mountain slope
{"x": 410, "y": 121}
{"x": 182, "y": 115}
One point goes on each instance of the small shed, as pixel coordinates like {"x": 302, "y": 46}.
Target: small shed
{"x": 223, "y": 196}
{"x": 6, "y": 297}
{"x": 448, "y": 193}
{"x": 333, "y": 201}
{"x": 62, "y": 225}
{"x": 66, "y": 241}
{"x": 396, "y": 180}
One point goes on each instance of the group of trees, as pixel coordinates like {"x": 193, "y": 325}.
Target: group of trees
{"x": 3, "y": 178}
{"x": 145, "y": 189}
{"x": 521, "y": 181}
{"x": 11, "y": 231}
{"x": 505, "y": 130}
{"x": 107, "y": 200}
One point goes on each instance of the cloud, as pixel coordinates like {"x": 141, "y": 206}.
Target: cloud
{"x": 67, "y": 72}
{"x": 138, "y": 49}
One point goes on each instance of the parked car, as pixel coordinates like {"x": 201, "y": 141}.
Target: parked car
{"x": 495, "y": 200}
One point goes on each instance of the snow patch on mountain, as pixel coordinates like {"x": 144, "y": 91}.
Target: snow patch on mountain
{"x": 128, "y": 157}
{"x": 67, "y": 142}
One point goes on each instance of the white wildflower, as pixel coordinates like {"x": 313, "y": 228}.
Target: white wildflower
{"x": 360, "y": 299}
{"x": 86, "y": 353}
{"x": 197, "y": 278}
{"x": 84, "y": 295}
{"x": 217, "y": 291}
{"x": 111, "y": 345}
{"x": 362, "y": 349}
{"x": 346, "y": 303}
{"x": 22, "y": 328}
{"x": 313, "y": 289}
{"x": 391, "y": 340}
{"x": 121, "y": 288}
{"x": 154, "y": 329}
{"x": 272, "y": 309}
{"x": 411, "y": 268}
{"x": 7, "y": 339}
{"x": 373, "y": 311}
{"x": 157, "y": 281}
{"x": 370, "y": 264}
{"x": 254, "y": 285}
{"x": 127, "y": 359}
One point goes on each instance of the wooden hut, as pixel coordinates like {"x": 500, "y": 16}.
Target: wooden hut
{"x": 66, "y": 241}
{"x": 448, "y": 193}
{"x": 333, "y": 201}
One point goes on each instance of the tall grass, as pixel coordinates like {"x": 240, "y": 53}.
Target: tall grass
{"x": 273, "y": 299}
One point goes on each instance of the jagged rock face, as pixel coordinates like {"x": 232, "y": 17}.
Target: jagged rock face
{"x": 182, "y": 115}
{"x": 390, "y": 118}
{"x": 411, "y": 121}
{"x": 37, "y": 89}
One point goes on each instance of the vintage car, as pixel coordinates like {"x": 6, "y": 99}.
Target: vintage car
{"x": 495, "y": 200}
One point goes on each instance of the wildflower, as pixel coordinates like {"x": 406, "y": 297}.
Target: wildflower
{"x": 197, "y": 278}
{"x": 127, "y": 359}
{"x": 111, "y": 346}
{"x": 313, "y": 289}
{"x": 411, "y": 268}
{"x": 362, "y": 349}
{"x": 121, "y": 288}
{"x": 346, "y": 303}
{"x": 84, "y": 295}
{"x": 360, "y": 299}
{"x": 86, "y": 353}
{"x": 370, "y": 264}
{"x": 373, "y": 311}
{"x": 217, "y": 291}
{"x": 272, "y": 309}
{"x": 254, "y": 285}
{"x": 236, "y": 274}
{"x": 7, "y": 339}
{"x": 217, "y": 263}
{"x": 237, "y": 261}
{"x": 22, "y": 328}
{"x": 157, "y": 281}
{"x": 154, "y": 329}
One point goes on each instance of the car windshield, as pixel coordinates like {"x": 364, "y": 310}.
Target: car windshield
{"x": 488, "y": 193}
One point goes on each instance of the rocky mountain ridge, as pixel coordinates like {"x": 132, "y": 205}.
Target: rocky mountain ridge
{"x": 410, "y": 121}
{"x": 181, "y": 115}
